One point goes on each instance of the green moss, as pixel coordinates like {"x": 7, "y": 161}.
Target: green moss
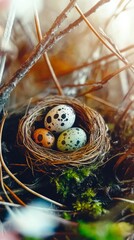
{"x": 66, "y": 216}
{"x": 94, "y": 208}
{"x": 31, "y": 238}
{"x": 76, "y": 174}
{"x": 71, "y": 178}
{"x": 88, "y": 194}
{"x": 105, "y": 230}
{"x": 78, "y": 189}
{"x": 61, "y": 187}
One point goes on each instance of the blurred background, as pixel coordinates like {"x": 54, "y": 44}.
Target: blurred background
{"x": 77, "y": 58}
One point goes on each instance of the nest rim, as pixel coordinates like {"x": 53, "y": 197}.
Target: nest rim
{"x": 93, "y": 152}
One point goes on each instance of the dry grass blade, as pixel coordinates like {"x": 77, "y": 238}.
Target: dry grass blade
{"x": 14, "y": 195}
{"x": 123, "y": 114}
{"x": 15, "y": 178}
{"x": 45, "y": 44}
{"x": 90, "y": 179}
{"x": 122, "y": 58}
{"x": 80, "y": 19}
{"x": 123, "y": 157}
{"x": 101, "y": 101}
{"x": 100, "y": 84}
{"x": 45, "y": 55}
{"x": 3, "y": 187}
{"x": 121, "y": 161}
{"x": 92, "y": 63}
{"x": 114, "y": 49}
{"x": 124, "y": 200}
{"x": 7, "y": 35}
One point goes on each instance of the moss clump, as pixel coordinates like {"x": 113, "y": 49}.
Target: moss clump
{"x": 78, "y": 189}
{"x": 70, "y": 181}
{"x": 92, "y": 207}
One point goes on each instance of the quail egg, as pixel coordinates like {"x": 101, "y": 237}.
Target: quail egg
{"x": 60, "y": 118}
{"x": 44, "y": 138}
{"x": 71, "y": 139}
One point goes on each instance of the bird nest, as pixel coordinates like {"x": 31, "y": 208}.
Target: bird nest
{"x": 91, "y": 121}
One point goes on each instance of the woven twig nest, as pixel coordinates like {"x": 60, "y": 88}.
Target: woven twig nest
{"x": 91, "y": 121}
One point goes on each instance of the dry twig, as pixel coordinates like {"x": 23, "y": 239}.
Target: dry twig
{"x": 45, "y": 55}
{"x": 15, "y": 178}
{"x": 44, "y": 45}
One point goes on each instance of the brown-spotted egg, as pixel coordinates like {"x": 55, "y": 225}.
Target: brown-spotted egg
{"x": 60, "y": 118}
{"x": 71, "y": 139}
{"x": 44, "y": 138}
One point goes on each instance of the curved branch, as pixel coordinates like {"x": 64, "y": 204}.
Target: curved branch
{"x": 43, "y": 46}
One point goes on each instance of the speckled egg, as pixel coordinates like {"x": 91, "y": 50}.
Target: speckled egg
{"x": 71, "y": 139}
{"x": 43, "y": 137}
{"x": 60, "y": 118}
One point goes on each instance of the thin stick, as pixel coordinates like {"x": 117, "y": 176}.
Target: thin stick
{"x": 100, "y": 84}
{"x": 3, "y": 187}
{"x": 6, "y": 36}
{"x": 123, "y": 157}
{"x": 102, "y": 101}
{"x": 124, "y": 200}
{"x": 45, "y": 55}
{"x": 99, "y": 37}
{"x": 16, "y": 179}
{"x": 46, "y": 43}
{"x": 95, "y": 62}
{"x": 123, "y": 114}
{"x": 14, "y": 195}
{"x": 122, "y": 58}
{"x": 123, "y": 219}
{"x": 124, "y": 101}
{"x": 76, "y": 23}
